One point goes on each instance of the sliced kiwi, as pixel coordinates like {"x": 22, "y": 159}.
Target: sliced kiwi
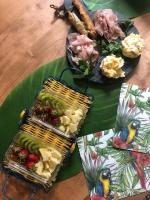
{"x": 30, "y": 143}
{"x": 55, "y": 103}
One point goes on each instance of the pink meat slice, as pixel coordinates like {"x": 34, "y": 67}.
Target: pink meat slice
{"x": 82, "y": 47}
{"x": 106, "y": 24}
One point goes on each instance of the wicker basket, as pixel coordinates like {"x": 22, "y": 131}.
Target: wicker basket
{"x": 48, "y": 138}
{"x": 72, "y": 100}
{"x": 46, "y": 134}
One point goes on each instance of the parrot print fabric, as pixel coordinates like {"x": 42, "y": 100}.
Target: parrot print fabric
{"x": 132, "y": 130}
{"x": 112, "y": 173}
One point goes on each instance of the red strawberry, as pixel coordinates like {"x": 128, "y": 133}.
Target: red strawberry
{"x": 16, "y": 151}
{"x": 23, "y": 154}
{"x": 55, "y": 121}
{"x": 37, "y": 111}
{"x": 29, "y": 165}
{"x": 49, "y": 111}
{"x": 33, "y": 158}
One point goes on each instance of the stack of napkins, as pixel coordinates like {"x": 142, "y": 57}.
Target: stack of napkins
{"x": 116, "y": 162}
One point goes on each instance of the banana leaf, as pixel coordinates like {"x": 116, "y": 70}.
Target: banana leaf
{"x": 101, "y": 116}
{"x": 129, "y": 8}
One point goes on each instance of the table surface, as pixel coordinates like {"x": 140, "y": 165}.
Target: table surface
{"x": 29, "y": 37}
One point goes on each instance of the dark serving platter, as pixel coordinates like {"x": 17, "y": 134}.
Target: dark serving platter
{"x": 96, "y": 76}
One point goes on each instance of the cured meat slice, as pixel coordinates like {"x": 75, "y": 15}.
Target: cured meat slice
{"x": 106, "y": 24}
{"x": 82, "y": 47}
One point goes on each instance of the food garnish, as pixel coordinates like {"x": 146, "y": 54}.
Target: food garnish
{"x": 108, "y": 48}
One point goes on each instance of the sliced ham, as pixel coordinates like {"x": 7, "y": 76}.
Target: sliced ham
{"x": 82, "y": 47}
{"x": 106, "y": 24}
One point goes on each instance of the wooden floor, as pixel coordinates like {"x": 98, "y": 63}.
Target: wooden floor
{"x": 29, "y": 38}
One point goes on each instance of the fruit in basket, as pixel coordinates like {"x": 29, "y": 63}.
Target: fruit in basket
{"x": 54, "y": 113}
{"x": 23, "y": 154}
{"x": 47, "y": 114}
{"x": 48, "y": 153}
{"x": 50, "y": 159}
{"x": 49, "y": 111}
{"x": 48, "y": 99}
{"x": 26, "y": 158}
{"x": 65, "y": 120}
{"x": 40, "y": 170}
{"x": 38, "y": 110}
{"x": 73, "y": 127}
{"x": 29, "y": 165}
{"x": 28, "y": 142}
{"x": 33, "y": 157}
{"x": 55, "y": 121}
{"x": 62, "y": 128}
{"x": 70, "y": 120}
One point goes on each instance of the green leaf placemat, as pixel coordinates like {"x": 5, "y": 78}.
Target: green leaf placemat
{"x": 129, "y": 8}
{"x": 101, "y": 116}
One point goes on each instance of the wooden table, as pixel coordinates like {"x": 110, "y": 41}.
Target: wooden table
{"x": 29, "y": 37}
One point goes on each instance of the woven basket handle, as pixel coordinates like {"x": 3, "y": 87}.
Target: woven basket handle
{"x": 76, "y": 86}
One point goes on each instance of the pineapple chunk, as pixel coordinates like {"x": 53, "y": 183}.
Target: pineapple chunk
{"x": 79, "y": 112}
{"x": 69, "y": 112}
{"x": 46, "y": 155}
{"x": 62, "y": 128}
{"x": 39, "y": 170}
{"x": 73, "y": 127}
{"x": 65, "y": 120}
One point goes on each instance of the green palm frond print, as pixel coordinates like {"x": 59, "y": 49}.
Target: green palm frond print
{"x": 112, "y": 172}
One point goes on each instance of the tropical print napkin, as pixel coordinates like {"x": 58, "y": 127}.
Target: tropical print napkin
{"x": 112, "y": 172}
{"x": 132, "y": 130}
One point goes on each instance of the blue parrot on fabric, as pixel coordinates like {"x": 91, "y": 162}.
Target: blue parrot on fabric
{"x": 102, "y": 187}
{"x": 128, "y": 134}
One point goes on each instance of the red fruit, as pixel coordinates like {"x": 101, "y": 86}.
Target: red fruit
{"x": 33, "y": 158}
{"x": 94, "y": 155}
{"x": 23, "y": 154}
{"x": 16, "y": 151}
{"x": 37, "y": 111}
{"x": 54, "y": 113}
{"x": 55, "y": 121}
{"x": 49, "y": 111}
{"x": 29, "y": 164}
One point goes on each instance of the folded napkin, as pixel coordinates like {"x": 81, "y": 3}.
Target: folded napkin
{"x": 132, "y": 130}
{"x": 112, "y": 173}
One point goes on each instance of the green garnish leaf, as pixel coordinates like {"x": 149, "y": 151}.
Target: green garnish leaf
{"x": 86, "y": 67}
{"x": 106, "y": 48}
{"x": 126, "y": 24}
